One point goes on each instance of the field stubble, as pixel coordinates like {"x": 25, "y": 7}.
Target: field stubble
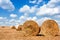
{"x": 11, "y": 34}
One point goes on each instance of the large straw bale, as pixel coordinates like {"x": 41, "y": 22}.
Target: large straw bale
{"x": 13, "y": 27}
{"x": 31, "y": 28}
{"x": 3, "y": 26}
{"x": 49, "y": 28}
{"x": 39, "y": 29}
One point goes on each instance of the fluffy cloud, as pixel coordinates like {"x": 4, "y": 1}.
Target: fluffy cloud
{"x": 28, "y": 18}
{"x": 7, "y": 4}
{"x": 14, "y": 22}
{"x": 13, "y": 15}
{"x": 27, "y": 9}
{"x": 10, "y": 22}
{"x": 46, "y": 10}
{"x": 22, "y": 19}
{"x": 53, "y": 3}
{"x": 3, "y": 19}
{"x": 32, "y": 18}
{"x": 50, "y": 8}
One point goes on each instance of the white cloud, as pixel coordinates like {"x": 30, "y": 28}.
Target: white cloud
{"x": 22, "y": 19}
{"x": 53, "y": 3}
{"x": 3, "y": 18}
{"x": 7, "y": 4}
{"x": 13, "y": 15}
{"x": 5, "y": 22}
{"x": 32, "y": 18}
{"x": 49, "y": 11}
{"x": 27, "y": 9}
{"x": 33, "y": 9}
{"x": 50, "y": 8}
{"x": 12, "y": 22}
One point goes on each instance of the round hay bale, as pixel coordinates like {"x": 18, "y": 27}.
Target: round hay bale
{"x": 39, "y": 29}
{"x": 13, "y": 27}
{"x": 19, "y": 28}
{"x": 3, "y": 26}
{"x": 49, "y": 28}
{"x": 31, "y": 28}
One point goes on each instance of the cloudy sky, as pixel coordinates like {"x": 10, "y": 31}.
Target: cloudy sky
{"x": 13, "y": 12}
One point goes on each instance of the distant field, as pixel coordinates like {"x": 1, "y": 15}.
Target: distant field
{"x": 6, "y": 33}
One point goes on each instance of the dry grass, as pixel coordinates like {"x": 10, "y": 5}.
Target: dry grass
{"x": 11, "y": 34}
{"x": 49, "y": 28}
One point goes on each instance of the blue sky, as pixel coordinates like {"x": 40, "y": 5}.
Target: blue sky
{"x": 13, "y": 12}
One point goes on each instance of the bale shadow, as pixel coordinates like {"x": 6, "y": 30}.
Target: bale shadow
{"x": 57, "y": 35}
{"x": 40, "y": 35}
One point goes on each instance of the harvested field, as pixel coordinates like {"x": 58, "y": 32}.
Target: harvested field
{"x": 7, "y": 33}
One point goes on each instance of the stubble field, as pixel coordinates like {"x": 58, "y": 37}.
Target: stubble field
{"x": 6, "y": 33}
